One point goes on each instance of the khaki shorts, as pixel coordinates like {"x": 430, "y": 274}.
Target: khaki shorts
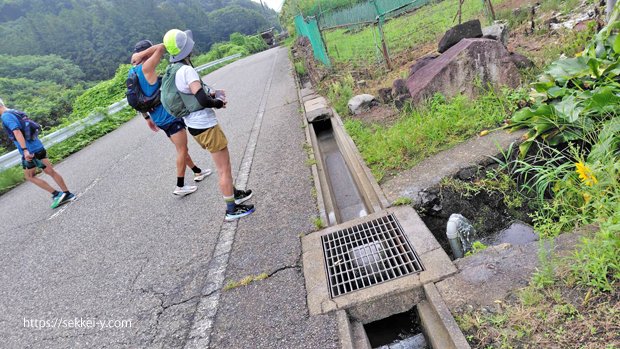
{"x": 212, "y": 139}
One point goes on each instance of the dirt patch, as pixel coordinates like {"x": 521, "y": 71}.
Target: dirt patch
{"x": 513, "y": 4}
{"x": 560, "y": 318}
{"x": 382, "y": 114}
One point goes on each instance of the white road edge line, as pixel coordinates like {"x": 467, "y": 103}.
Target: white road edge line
{"x": 206, "y": 310}
{"x": 89, "y": 187}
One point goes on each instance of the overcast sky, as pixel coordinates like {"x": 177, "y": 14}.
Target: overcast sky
{"x": 274, "y": 4}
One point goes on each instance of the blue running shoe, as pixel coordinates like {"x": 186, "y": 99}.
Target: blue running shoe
{"x": 67, "y": 198}
{"x": 57, "y": 199}
{"x": 239, "y": 212}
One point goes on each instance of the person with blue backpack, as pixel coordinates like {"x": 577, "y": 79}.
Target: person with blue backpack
{"x": 25, "y": 135}
{"x": 144, "y": 97}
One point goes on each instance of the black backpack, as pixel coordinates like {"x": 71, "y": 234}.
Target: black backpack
{"x": 136, "y": 98}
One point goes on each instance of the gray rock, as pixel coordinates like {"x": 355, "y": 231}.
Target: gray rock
{"x": 470, "y": 29}
{"x": 360, "y": 103}
{"x": 467, "y": 173}
{"x": 385, "y": 95}
{"x": 521, "y": 61}
{"x": 453, "y": 72}
{"x": 497, "y": 31}
{"x": 399, "y": 87}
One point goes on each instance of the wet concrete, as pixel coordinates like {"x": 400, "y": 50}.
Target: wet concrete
{"x": 349, "y": 202}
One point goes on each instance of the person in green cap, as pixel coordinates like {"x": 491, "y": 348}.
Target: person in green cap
{"x": 184, "y": 95}
{"x": 144, "y": 60}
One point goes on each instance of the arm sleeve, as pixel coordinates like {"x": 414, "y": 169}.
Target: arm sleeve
{"x": 207, "y": 101}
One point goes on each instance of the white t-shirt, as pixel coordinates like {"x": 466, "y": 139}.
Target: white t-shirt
{"x": 201, "y": 119}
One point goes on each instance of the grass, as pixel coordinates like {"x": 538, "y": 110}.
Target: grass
{"x": 402, "y": 33}
{"x": 300, "y": 68}
{"x": 14, "y": 176}
{"x": 422, "y": 132}
{"x": 318, "y": 223}
{"x": 245, "y": 281}
{"x": 402, "y": 201}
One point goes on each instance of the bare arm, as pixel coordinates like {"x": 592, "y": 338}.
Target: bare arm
{"x": 19, "y": 137}
{"x": 149, "y": 122}
{"x": 149, "y": 59}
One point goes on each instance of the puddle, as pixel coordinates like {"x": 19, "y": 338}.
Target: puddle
{"x": 518, "y": 233}
{"x": 397, "y": 331}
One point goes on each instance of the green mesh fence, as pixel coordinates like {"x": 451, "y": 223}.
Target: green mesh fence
{"x": 406, "y": 37}
{"x": 368, "y": 12}
{"x": 310, "y": 29}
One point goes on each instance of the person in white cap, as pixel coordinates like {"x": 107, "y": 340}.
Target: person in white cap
{"x": 185, "y": 95}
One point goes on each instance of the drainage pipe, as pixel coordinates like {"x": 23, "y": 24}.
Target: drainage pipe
{"x": 453, "y": 238}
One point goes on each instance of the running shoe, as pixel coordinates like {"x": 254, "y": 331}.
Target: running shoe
{"x": 239, "y": 212}
{"x": 57, "y": 199}
{"x": 242, "y": 196}
{"x": 185, "y": 190}
{"x": 200, "y": 176}
{"x": 68, "y": 198}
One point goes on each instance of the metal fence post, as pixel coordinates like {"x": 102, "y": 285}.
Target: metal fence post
{"x": 380, "y": 19}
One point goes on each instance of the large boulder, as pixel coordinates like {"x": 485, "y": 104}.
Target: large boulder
{"x": 470, "y": 29}
{"x": 361, "y": 103}
{"x": 497, "y": 31}
{"x": 456, "y": 70}
{"x": 421, "y": 62}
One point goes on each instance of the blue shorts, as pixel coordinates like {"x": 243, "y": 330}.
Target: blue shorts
{"x": 173, "y": 127}
{"x": 36, "y": 160}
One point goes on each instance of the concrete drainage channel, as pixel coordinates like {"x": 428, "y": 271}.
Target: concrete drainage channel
{"x": 375, "y": 266}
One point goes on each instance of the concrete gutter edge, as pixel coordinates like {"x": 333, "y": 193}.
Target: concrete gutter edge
{"x": 452, "y": 330}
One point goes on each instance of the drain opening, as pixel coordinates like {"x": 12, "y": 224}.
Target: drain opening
{"x": 367, "y": 254}
{"x": 397, "y": 331}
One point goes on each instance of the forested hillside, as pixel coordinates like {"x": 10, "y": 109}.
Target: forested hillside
{"x": 98, "y": 35}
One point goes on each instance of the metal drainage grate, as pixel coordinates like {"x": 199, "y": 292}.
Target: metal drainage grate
{"x": 367, "y": 254}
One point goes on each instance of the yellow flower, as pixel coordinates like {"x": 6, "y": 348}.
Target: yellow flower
{"x": 585, "y": 174}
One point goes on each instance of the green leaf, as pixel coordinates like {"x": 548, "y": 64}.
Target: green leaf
{"x": 569, "y": 68}
{"x": 568, "y": 109}
{"x": 556, "y": 92}
{"x": 543, "y": 86}
{"x": 603, "y": 101}
{"x": 616, "y": 45}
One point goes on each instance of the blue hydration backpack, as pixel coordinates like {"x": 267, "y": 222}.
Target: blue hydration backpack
{"x": 136, "y": 98}
{"x": 29, "y": 128}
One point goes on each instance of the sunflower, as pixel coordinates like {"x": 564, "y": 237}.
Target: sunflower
{"x": 585, "y": 174}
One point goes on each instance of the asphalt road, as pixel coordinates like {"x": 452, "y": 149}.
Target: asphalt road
{"x": 129, "y": 265}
